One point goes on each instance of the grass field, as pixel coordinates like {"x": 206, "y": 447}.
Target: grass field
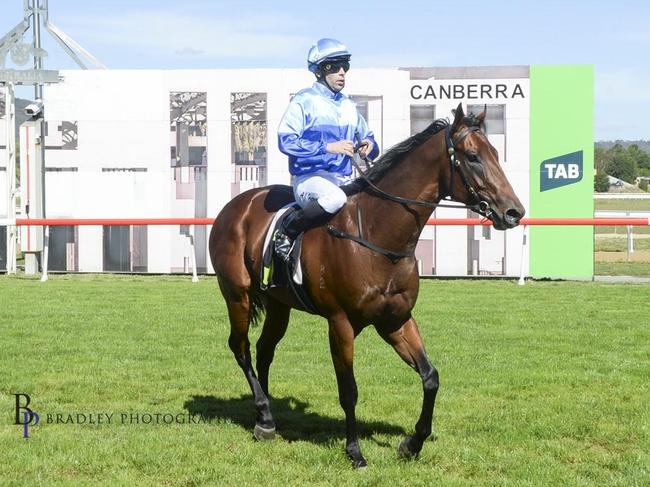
{"x": 613, "y": 239}
{"x": 622, "y": 204}
{"x": 609, "y": 244}
{"x": 637, "y": 269}
{"x": 621, "y": 230}
{"x": 545, "y": 384}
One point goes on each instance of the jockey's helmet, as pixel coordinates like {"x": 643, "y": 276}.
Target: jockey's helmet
{"x": 326, "y": 50}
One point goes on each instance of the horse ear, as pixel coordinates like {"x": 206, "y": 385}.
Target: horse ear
{"x": 459, "y": 115}
{"x": 481, "y": 117}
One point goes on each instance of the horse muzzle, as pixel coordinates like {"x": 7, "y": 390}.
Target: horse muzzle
{"x": 508, "y": 219}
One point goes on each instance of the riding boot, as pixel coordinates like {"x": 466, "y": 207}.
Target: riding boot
{"x": 295, "y": 223}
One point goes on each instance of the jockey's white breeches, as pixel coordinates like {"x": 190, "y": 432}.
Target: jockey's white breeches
{"x": 323, "y": 187}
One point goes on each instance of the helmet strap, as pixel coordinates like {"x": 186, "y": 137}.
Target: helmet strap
{"x": 323, "y": 81}
{"x": 321, "y": 78}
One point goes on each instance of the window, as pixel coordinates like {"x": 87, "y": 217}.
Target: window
{"x": 188, "y": 128}
{"x": 3, "y": 248}
{"x": 124, "y": 169}
{"x": 188, "y": 131}
{"x": 62, "y": 251}
{"x": 61, "y": 135}
{"x": 495, "y": 118}
{"x": 495, "y": 126}
{"x": 125, "y": 248}
{"x": 116, "y": 249}
{"x": 248, "y": 128}
{"x": 421, "y": 117}
{"x": 371, "y": 108}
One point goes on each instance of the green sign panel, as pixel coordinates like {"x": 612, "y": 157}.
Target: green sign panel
{"x": 562, "y": 170}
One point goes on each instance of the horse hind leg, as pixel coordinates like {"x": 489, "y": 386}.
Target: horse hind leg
{"x": 238, "y": 302}
{"x": 275, "y": 326}
{"x": 407, "y": 342}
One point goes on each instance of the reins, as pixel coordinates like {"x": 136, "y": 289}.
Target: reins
{"x": 481, "y": 206}
{"x": 455, "y": 167}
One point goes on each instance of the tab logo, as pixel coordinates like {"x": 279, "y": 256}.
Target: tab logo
{"x": 560, "y": 171}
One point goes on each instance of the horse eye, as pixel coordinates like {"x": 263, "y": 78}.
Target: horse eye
{"x": 471, "y": 157}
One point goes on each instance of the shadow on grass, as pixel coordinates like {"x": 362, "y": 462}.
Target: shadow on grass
{"x": 294, "y": 422}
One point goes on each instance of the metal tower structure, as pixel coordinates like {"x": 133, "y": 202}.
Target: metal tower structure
{"x": 14, "y": 46}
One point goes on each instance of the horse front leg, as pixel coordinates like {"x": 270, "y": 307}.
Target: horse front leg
{"x": 341, "y": 335}
{"x": 407, "y": 342}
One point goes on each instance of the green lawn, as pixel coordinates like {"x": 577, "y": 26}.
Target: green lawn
{"x": 604, "y": 244}
{"x": 544, "y": 384}
{"x": 638, "y": 269}
{"x": 622, "y": 204}
{"x": 621, "y": 229}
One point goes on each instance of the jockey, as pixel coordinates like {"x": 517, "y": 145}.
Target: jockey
{"x": 318, "y": 132}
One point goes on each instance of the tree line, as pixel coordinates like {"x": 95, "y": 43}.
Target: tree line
{"x": 625, "y": 163}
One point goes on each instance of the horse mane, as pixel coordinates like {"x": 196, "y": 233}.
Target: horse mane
{"x": 394, "y": 155}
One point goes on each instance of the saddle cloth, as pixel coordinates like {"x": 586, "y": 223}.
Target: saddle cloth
{"x": 269, "y": 262}
{"x": 278, "y": 273}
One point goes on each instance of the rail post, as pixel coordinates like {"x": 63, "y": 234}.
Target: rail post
{"x": 630, "y": 241}
{"x": 522, "y": 267}
{"x": 195, "y": 278}
{"x": 46, "y": 245}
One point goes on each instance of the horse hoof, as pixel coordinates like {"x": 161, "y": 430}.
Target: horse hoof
{"x": 263, "y": 434}
{"x": 360, "y": 464}
{"x": 355, "y": 456}
{"x": 404, "y": 451}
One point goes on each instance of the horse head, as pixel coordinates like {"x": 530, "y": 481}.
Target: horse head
{"x": 476, "y": 177}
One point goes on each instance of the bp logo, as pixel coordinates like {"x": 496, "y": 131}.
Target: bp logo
{"x": 560, "y": 171}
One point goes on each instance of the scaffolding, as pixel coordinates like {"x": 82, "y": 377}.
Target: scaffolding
{"x": 14, "y": 47}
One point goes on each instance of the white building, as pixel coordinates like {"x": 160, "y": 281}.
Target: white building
{"x": 137, "y": 144}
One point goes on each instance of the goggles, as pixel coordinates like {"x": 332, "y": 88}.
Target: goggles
{"x": 329, "y": 67}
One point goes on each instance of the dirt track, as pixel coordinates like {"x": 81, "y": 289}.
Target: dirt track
{"x": 636, "y": 256}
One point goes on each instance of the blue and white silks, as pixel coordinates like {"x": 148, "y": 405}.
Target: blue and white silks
{"x": 316, "y": 117}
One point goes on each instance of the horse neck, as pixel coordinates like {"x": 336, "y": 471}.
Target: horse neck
{"x": 417, "y": 176}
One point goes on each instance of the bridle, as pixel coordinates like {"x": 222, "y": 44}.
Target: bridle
{"x": 480, "y": 206}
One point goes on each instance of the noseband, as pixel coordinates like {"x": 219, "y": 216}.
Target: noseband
{"x": 480, "y": 206}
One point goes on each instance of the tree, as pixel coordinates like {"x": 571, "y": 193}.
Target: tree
{"x": 641, "y": 157}
{"x": 601, "y": 183}
{"x": 622, "y": 164}
{"x": 602, "y": 159}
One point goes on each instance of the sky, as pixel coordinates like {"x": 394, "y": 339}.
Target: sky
{"x": 204, "y": 34}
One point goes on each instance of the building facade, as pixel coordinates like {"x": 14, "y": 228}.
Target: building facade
{"x": 138, "y": 144}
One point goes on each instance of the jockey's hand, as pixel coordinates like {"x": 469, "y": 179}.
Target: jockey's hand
{"x": 365, "y": 148}
{"x": 341, "y": 147}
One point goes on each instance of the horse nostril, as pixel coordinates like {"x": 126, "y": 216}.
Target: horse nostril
{"x": 513, "y": 216}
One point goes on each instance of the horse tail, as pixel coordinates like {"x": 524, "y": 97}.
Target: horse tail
{"x": 257, "y": 308}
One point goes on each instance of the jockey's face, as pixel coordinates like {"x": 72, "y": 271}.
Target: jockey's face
{"x": 336, "y": 81}
{"x": 334, "y": 72}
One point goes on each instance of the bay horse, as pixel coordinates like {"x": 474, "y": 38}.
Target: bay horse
{"x": 360, "y": 269}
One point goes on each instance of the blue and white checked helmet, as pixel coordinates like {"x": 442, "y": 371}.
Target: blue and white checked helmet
{"x": 326, "y": 49}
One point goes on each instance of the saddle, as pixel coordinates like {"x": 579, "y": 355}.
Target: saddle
{"x": 276, "y": 272}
